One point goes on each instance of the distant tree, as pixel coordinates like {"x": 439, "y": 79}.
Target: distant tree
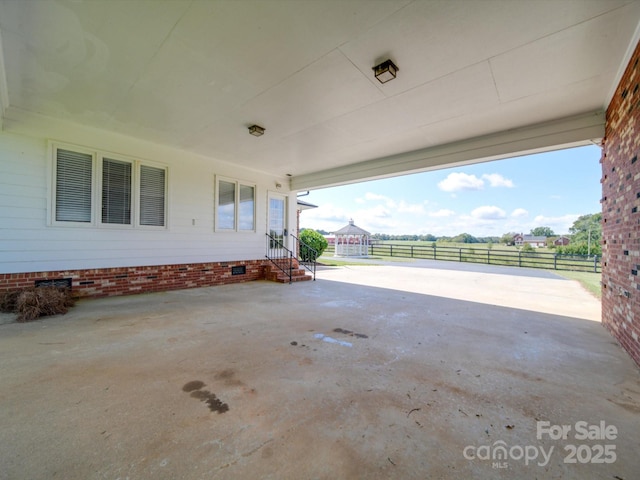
{"x": 489, "y": 239}
{"x": 542, "y": 232}
{"x": 586, "y": 233}
{"x": 507, "y": 238}
{"x": 587, "y": 226}
{"x": 464, "y": 238}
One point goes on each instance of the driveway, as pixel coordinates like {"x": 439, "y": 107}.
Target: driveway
{"x": 369, "y": 372}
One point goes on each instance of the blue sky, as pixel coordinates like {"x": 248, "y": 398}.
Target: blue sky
{"x": 487, "y": 199}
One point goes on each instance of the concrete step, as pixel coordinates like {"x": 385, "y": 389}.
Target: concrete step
{"x": 297, "y": 275}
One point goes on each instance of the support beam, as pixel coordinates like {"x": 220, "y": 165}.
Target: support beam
{"x": 553, "y": 135}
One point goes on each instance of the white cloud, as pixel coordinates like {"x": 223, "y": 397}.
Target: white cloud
{"x": 379, "y": 211}
{"x": 400, "y": 206}
{"x": 458, "y": 181}
{"x": 375, "y": 196}
{"x": 488, "y": 212}
{"x": 326, "y": 217}
{"x": 559, "y": 224}
{"x": 497, "y": 180}
{"x": 519, "y": 213}
{"x": 414, "y": 208}
{"x": 442, "y": 213}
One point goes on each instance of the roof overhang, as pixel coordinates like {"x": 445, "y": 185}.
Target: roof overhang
{"x": 565, "y": 133}
{"x": 477, "y": 81}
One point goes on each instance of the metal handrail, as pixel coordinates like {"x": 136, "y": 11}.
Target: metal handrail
{"x": 278, "y": 255}
{"x": 305, "y": 261}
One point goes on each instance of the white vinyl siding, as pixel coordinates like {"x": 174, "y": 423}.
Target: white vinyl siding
{"x": 33, "y": 241}
{"x": 116, "y": 192}
{"x": 73, "y": 192}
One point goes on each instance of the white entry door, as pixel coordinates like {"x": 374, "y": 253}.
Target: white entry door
{"x": 277, "y": 219}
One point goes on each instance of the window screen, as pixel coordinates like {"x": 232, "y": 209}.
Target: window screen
{"x": 226, "y": 205}
{"x": 247, "y": 208}
{"x": 116, "y": 192}
{"x": 74, "y": 172}
{"x": 152, "y": 196}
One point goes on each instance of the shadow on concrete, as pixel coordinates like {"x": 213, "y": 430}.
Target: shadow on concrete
{"x": 108, "y": 387}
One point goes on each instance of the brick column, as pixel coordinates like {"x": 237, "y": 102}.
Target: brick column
{"x": 620, "y": 216}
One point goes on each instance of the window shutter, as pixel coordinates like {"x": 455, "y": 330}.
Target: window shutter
{"x": 116, "y": 192}
{"x": 152, "y": 196}
{"x": 74, "y": 172}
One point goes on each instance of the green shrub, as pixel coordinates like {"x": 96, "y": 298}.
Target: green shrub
{"x": 527, "y": 248}
{"x": 581, "y": 248}
{"x": 315, "y": 241}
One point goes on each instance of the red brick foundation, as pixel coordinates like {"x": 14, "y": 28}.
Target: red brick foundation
{"x": 128, "y": 280}
{"x": 620, "y": 212}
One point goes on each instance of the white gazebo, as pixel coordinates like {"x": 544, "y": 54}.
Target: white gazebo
{"x": 352, "y": 241}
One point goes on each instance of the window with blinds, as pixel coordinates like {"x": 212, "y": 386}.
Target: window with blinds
{"x": 235, "y": 206}
{"x": 226, "y": 205}
{"x": 74, "y": 176}
{"x": 116, "y": 192}
{"x": 152, "y": 196}
{"x": 246, "y": 211}
{"x": 130, "y": 192}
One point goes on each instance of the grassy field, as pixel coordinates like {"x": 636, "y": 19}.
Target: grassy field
{"x": 476, "y": 246}
{"x": 590, "y": 281}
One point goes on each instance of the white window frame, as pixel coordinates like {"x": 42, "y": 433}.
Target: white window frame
{"x": 54, "y": 186}
{"x": 100, "y": 184}
{"x": 236, "y": 214}
{"x": 137, "y": 183}
{"x": 98, "y": 158}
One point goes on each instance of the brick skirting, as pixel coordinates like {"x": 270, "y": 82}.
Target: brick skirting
{"x": 102, "y": 282}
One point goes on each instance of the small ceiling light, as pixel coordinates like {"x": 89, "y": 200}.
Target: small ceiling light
{"x": 256, "y": 130}
{"x": 385, "y": 71}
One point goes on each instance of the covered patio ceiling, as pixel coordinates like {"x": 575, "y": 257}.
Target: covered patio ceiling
{"x": 476, "y": 80}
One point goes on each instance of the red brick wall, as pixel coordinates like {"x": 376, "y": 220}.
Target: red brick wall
{"x": 620, "y": 215}
{"x": 128, "y": 280}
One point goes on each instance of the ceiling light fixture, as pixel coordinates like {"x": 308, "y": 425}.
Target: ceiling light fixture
{"x": 256, "y": 130}
{"x": 385, "y": 71}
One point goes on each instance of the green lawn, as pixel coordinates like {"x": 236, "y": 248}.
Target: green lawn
{"x": 476, "y": 246}
{"x": 590, "y": 281}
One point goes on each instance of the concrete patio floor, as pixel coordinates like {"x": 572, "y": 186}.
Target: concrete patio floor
{"x": 370, "y": 372}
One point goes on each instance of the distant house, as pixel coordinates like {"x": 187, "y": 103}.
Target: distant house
{"x": 535, "y": 241}
{"x": 561, "y": 241}
{"x": 331, "y": 239}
